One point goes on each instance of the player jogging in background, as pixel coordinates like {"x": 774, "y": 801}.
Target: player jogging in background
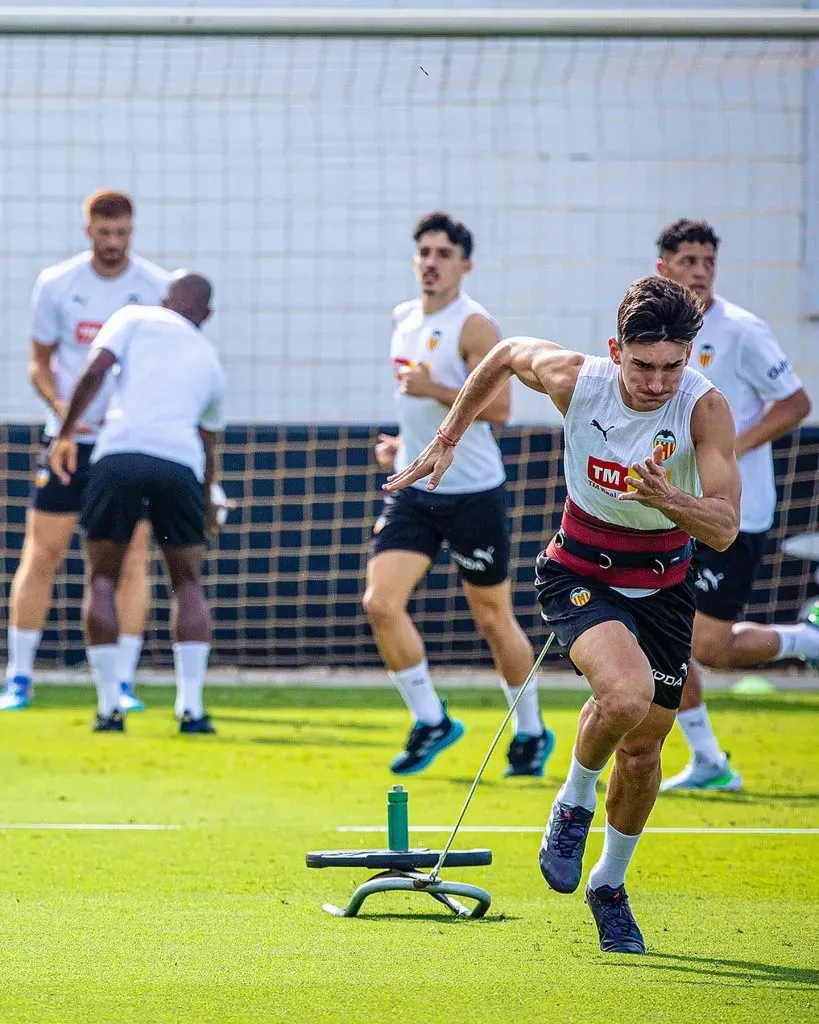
{"x": 72, "y": 301}
{"x": 156, "y": 450}
{"x": 740, "y": 355}
{"x": 649, "y": 463}
{"x": 437, "y": 339}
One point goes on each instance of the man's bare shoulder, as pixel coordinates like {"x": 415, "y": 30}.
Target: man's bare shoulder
{"x": 711, "y": 417}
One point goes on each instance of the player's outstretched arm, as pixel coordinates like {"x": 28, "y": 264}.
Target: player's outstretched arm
{"x": 714, "y": 517}
{"x": 539, "y": 364}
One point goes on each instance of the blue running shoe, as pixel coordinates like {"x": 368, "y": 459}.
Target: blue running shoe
{"x": 16, "y": 694}
{"x": 189, "y": 724}
{"x": 561, "y": 852}
{"x": 615, "y": 922}
{"x": 527, "y": 755}
{"x": 425, "y": 743}
{"x": 115, "y": 722}
{"x": 128, "y": 700}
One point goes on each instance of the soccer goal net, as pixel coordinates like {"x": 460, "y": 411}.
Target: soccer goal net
{"x": 291, "y": 168}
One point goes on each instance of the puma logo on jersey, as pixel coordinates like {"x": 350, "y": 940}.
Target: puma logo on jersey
{"x": 605, "y": 432}
{"x": 478, "y": 562}
{"x": 708, "y": 580}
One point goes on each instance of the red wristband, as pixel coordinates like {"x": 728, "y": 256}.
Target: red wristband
{"x": 448, "y": 441}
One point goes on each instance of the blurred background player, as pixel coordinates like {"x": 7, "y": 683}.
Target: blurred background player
{"x": 156, "y": 450}
{"x": 72, "y": 301}
{"x": 437, "y": 340}
{"x": 738, "y": 352}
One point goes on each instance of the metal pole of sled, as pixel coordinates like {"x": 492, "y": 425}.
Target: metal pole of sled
{"x": 433, "y": 875}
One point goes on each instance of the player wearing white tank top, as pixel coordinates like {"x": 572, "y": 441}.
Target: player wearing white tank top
{"x": 71, "y": 302}
{"x": 650, "y": 465}
{"x": 437, "y": 339}
{"x": 738, "y": 352}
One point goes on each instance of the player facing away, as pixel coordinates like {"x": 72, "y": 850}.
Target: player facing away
{"x": 437, "y": 339}
{"x": 649, "y": 463}
{"x": 740, "y": 355}
{"x": 156, "y": 450}
{"x": 72, "y": 301}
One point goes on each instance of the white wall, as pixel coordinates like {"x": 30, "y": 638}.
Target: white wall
{"x": 291, "y": 171}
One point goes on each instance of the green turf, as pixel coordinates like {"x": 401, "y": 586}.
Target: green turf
{"x": 220, "y": 921}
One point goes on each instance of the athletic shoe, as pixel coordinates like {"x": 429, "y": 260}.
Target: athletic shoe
{"x": 527, "y": 755}
{"x": 561, "y": 852}
{"x": 615, "y": 922}
{"x": 187, "y": 723}
{"x": 703, "y": 774}
{"x": 425, "y": 743}
{"x": 115, "y": 722}
{"x": 128, "y": 700}
{"x": 812, "y": 621}
{"x": 16, "y": 694}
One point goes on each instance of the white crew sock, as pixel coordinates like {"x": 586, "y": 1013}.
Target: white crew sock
{"x": 578, "y": 789}
{"x": 190, "y": 660}
{"x": 800, "y": 641}
{"x": 129, "y": 648}
{"x": 618, "y": 849}
{"x": 526, "y": 720}
{"x": 103, "y": 662}
{"x": 23, "y": 644}
{"x": 419, "y": 694}
{"x": 697, "y": 730}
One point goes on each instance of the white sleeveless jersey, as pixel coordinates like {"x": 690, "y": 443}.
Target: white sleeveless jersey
{"x": 434, "y": 339}
{"x": 70, "y": 303}
{"x": 603, "y": 437}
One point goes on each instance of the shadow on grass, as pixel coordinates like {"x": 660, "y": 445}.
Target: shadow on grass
{"x": 804, "y": 978}
{"x": 747, "y": 797}
{"x": 443, "y": 917}
{"x": 299, "y": 723}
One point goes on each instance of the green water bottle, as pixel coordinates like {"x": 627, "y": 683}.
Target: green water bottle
{"x": 397, "y": 818}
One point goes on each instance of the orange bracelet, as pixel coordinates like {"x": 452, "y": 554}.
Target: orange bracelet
{"x": 448, "y": 441}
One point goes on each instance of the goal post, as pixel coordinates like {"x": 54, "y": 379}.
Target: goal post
{"x": 287, "y": 153}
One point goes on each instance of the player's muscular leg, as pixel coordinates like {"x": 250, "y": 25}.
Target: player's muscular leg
{"x": 391, "y": 578}
{"x": 104, "y": 560}
{"x": 132, "y": 590}
{"x": 190, "y": 615}
{"x": 720, "y": 644}
{"x": 48, "y": 535}
{"x": 622, "y": 686}
{"x": 635, "y": 777}
{"x": 494, "y": 617}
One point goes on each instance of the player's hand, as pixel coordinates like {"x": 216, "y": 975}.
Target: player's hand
{"x": 434, "y": 459}
{"x": 218, "y": 507}
{"x": 649, "y": 482}
{"x": 60, "y": 407}
{"x": 415, "y": 381}
{"x": 62, "y": 457}
{"x": 386, "y": 450}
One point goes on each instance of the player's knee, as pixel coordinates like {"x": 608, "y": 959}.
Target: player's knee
{"x": 493, "y": 622}
{"x": 640, "y": 766}
{"x": 381, "y": 607}
{"x": 624, "y": 709}
{"x": 100, "y": 609}
{"x": 41, "y": 556}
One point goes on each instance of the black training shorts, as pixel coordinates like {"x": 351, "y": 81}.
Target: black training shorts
{"x": 662, "y": 622}
{"x": 48, "y": 494}
{"x": 123, "y": 487}
{"x": 725, "y": 579}
{"x": 475, "y": 526}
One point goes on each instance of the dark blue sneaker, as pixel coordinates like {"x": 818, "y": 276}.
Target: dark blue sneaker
{"x": 425, "y": 743}
{"x": 16, "y": 694}
{"x": 561, "y": 852}
{"x": 615, "y": 922}
{"x": 527, "y": 755}
{"x": 115, "y": 722}
{"x": 187, "y": 723}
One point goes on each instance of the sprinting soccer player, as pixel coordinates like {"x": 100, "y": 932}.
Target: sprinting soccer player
{"x": 649, "y": 463}
{"x": 72, "y": 301}
{"x": 740, "y": 355}
{"x": 437, "y": 339}
{"x": 156, "y": 450}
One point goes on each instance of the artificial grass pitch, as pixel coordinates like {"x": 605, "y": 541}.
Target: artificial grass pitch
{"x": 219, "y": 920}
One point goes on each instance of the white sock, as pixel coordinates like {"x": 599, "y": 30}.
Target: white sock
{"x": 103, "y": 662}
{"x": 23, "y": 644}
{"x": 578, "y": 789}
{"x": 697, "y": 730}
{"x": 618, "y": 849}
{"x": 419, "y": 694}
{"x": 526, "y": 719}
{"x": 800, "y": 641}
{"x": 190, "y": 660}
{"x": 129, "y": 648}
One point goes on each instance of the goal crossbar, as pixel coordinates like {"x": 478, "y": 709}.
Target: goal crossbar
{"x": 467, "y": 23}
